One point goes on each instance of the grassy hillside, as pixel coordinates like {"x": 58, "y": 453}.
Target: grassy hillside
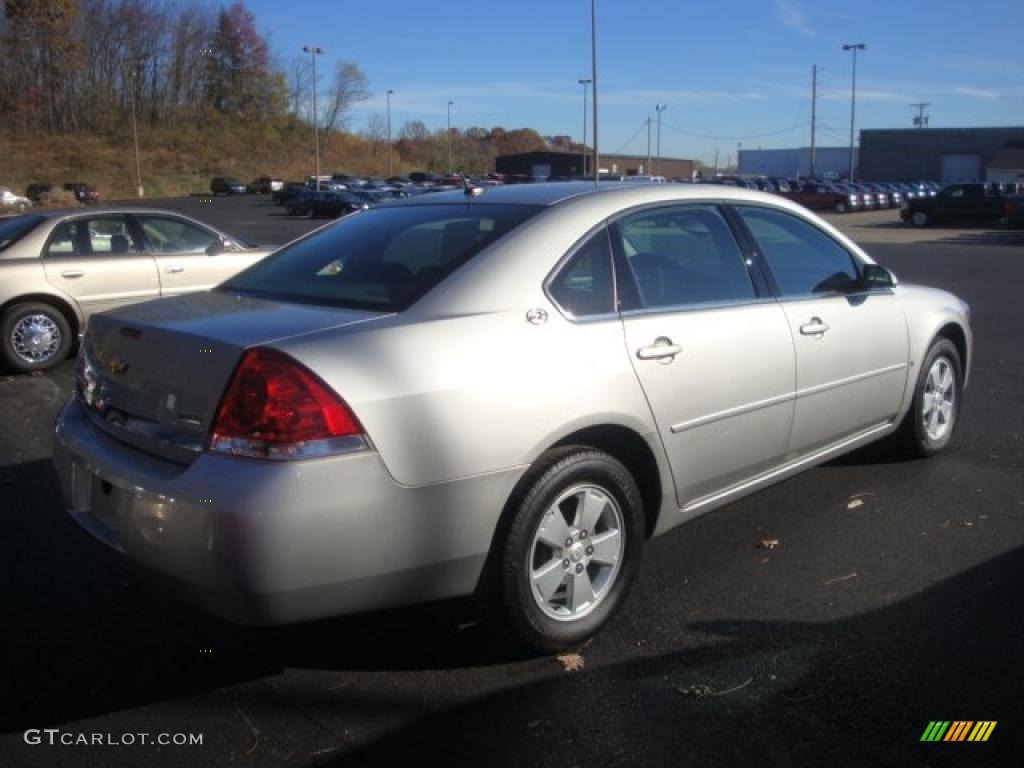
{"x": 180, "y": 161}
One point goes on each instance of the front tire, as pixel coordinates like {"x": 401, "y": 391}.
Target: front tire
{"x": 928, "y": 426}
{"x": 919, "y": 219}
{"x": 36, "y": 336}
{"x": 565, "y": 561}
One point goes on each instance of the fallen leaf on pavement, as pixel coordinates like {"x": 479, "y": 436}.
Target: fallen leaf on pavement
{"x": 768, "y": 543}
{"x": 855, "y": 503}
{"x": 839, "y": 578}
{"x": 571, "y": 662}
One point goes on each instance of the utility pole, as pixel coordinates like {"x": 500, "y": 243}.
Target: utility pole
{"x": 313, "y": 51}
{"x": 853, "y": 95}
{"x": 659, "y": 108}
{"x": 450, "y": 104}
{"x": 921, "y": 121}
{"x": 135, "y": 134}
{"x": 814, "y": 111}
{"x": 714, "y": 172}
{"x": 647, "y": 168}
{"x": 391, "y": 165}
{"x": 584, "y": 83}
{"x": 593, "y": 76}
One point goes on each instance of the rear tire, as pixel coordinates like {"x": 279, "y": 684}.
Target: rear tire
{"x": 36, "y": 336}
{"x": 919, "y": 219}
{"x": 566, "y": 555}
{"x": 928, "y": 426}
{"x": 840, "y": 207}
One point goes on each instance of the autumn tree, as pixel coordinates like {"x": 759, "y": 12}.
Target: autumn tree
{"x": 239, "y": 81}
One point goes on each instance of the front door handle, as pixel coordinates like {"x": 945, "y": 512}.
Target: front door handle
{"x": 172, "y": 268}
{"x": 662, "y": 349}
{"x": 72, "y": 273}
{"x": 814, "y": 328}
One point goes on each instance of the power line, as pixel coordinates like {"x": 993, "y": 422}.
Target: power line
{"x": 631, "y": 138}
{"x": 736, "y": 138}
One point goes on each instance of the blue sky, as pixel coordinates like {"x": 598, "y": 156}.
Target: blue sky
{"x": 729, "y": 71}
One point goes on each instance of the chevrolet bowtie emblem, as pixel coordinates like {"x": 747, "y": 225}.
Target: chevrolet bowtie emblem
{"x": 117, "y": 366}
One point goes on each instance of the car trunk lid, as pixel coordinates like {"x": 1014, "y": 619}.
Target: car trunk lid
{"x": 152, "y": 374}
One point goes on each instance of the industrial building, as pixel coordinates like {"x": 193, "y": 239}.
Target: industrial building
{"x": 829, "y": 162}
{"x": 545, "y": 164}
{"x": 946, "y": 155}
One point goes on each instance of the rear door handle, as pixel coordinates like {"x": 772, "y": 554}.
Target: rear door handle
{"x": 663, "y": 349}
{"x": 172, "y": 268}
{"x": 814, "y": 328}
{"x": 72, "y": 273}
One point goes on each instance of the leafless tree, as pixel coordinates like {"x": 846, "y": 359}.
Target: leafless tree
{"x": 350, "y": 86}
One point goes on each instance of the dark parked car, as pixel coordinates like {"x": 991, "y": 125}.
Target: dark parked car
{"x": 83, "y": 192}
{"x": 335, "y": 204}
{"x": 227, "y": 186}
{"x": 264, "y": 185}
{"x": 822, "y": 197}
{"x": 287, "y": 191}
{"x": 39, "y": 192}
{"x": 957, "y": 202}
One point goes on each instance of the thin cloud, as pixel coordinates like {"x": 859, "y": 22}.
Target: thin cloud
{"x": 976, "y": 65}
{"x": 794, "y": 18}
{"x": 978, "y": 93}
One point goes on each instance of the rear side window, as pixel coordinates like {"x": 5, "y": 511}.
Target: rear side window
{"x": 584, "y": 286}
{"x": 166, "y": 235}
{"x": 383, "y": 259}
{"x": 804, "y": 260}
{"x": 13, "y": 230}
{"x": 683, "y": 255}
{"x": 101, "y": 236}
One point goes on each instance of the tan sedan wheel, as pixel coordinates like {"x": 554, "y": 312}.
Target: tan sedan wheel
{"x": 35, "y": 337}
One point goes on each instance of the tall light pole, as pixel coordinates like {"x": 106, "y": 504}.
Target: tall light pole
{"x": 647, "y": 169}
{"x": 135, "y": 135}
{"x": 853, "y": 94}
{"x": 584, "y": 83}
{"x": 659, "y": 108}
{"x": 593, "y": 76}
{"x": 450, "y": 105}
{"x": 391, "y": 169}
{"x": 313, "y": 50}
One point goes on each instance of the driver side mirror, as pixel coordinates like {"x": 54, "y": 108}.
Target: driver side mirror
{"x": 217, "y": 246}
{"x": 877, "y": 276}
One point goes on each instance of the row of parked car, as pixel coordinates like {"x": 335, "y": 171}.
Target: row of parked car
{"x": 837, "y": 195}
{"x": 41, "y": 193}
{"x": 341, "y": 194}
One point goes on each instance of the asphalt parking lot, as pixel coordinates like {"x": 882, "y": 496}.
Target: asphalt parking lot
{"x": 836, "y": 647}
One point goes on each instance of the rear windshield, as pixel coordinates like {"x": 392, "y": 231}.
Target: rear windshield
{"x": 383, "y": 259}
{"x": 12, "y": 230}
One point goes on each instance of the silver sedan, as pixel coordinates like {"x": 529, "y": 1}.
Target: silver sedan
{"x": 59, "y": 267}
{"x": 502, "y": 393}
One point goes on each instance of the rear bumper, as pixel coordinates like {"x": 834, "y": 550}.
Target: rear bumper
{"x": 261, "y": 542}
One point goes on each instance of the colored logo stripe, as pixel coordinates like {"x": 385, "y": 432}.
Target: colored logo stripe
{"x": 935, "y": 730}
{"x": 958, "y": 730}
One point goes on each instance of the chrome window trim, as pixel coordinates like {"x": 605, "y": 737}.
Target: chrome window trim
{"x": 699, "y": 307}
{"x": 757, "y": 405}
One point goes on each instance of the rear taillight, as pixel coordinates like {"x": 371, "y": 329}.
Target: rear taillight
{"x": 275, "y": 408}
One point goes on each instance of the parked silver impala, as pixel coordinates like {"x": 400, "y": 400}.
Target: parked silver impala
{"x": 59, "y": 267}
{"x": 503, "y": 393}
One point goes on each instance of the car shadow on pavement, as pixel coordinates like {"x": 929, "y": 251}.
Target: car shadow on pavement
{"x": 86, "y": 635}
{"x": 858, "y": 691}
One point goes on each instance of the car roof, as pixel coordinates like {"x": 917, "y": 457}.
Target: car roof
{"x": 547, "y": 194}
{"x": 52, "y": 213}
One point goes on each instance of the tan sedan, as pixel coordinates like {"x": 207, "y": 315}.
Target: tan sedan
{"x": 59, "y": 267}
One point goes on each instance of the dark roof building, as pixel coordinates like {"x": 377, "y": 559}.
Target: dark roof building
{"x": 546, "y": 164}
{"x": 947, "y": 155}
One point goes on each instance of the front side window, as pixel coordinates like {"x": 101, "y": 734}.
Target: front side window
{"x": 100, "y": 236}
{"x": 382, "y": 259}
{"x": 167, "y": 235}
{"x": 804, "y": 260}
{"x": 683, "y": 255}
{"x": 584, "y": 286}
